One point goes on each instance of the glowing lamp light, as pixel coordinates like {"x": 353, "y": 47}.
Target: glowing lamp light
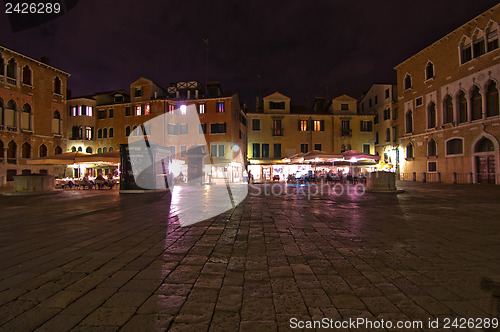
{"x": 353, "y": 160}
{"x": 183, "y": 109}
{"x": 236, "y": 148}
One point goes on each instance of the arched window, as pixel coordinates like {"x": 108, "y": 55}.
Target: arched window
{"x": 447, "y": 110}
{"x": 26, "y": 117}
{"x": 57, "y": 85}
{"x": 477, "y": 104}
{"x": 27, "y": 75}
{"x": 409, "y": 151}
{"x": 99, "y": 150}
{"x": 431, "y": 115}
{"x": 478, "y": 43}
{"x": 465, "y": 50}
{"x": 12, "y": 71}
{"x": 42, "y": 151}
{"x": 26, "y": 150}
{"x": 88, "y": 150}
{"x": 407, "y": 82}
{"x": 429, "y": 71}
{"x": 2, "y": 64}
{"x": 99, "y": 133}
{"x": 484, "y": 145}
{"x": 492, "y": 100}
{"x": 342, "y": 148}
{"x": 10, "y": 116}
{"x": 110, "y": 148}
{"x": 492, "y": 37}
{"x": 79, "y": 149}
{"x": 11, "y": 152}
{"x": 111, "y": 132}
{"x": 431, "y": 148}
{"x": 134, "y": 131}
{"x": 462, "y": 107}
{"x": 56, "y": 115}
{"x": 387, "y": 135}
{"x": 104, "y": 150}
{"x": 58, "y": 150}
{"x": 105, "y": 133}
{"x": 73, "y": 149}
{"x": 127, "y": 131}
{"x": 454, "y": 146}
{"x": 409, "y": 122}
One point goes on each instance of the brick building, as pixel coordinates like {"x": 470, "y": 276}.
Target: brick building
{"x": 449, "y": 123}
{"x": 32, "y": 116}
{"x": 114, "y": 116}
{"x": 278, "y": 130}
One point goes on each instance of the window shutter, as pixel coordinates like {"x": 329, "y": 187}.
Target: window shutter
{"x": 322, "y": 125}
{"x": 369, "y": 126}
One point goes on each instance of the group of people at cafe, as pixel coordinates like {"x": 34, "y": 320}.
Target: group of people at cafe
{"x": 88, "y": 182}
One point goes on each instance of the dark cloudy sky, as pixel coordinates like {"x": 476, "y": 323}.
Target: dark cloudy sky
{"x": 297, "y": 47}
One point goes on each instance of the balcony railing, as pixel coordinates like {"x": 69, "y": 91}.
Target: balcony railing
{"x": 346, "y": 132}
{"x": 277, "y": 131}
{"x": 11, "y": 161}
{"x": 12, "y": 81}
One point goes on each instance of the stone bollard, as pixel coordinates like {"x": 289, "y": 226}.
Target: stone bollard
{"x": 424, "y": 177}
{"x": 471, "y": 178}
{"x": 439, "y": 177}
{"x": 414, "y": 176}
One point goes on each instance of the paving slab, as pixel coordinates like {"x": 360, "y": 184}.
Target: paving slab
{"x": 101, "y": 261}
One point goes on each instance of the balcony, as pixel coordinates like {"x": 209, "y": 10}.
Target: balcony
{"x": 277, "y": 131}
{"x": 12, "y": 81}
{"x": 346, "y": 132}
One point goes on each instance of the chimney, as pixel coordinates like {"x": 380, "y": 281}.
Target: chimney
{"x": 45, "y": 60}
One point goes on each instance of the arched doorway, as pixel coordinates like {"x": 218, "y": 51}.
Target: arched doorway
{"x": 484, "y": 160}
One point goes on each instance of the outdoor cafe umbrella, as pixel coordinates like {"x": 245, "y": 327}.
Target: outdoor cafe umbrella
{"x": 353, "y": 156}
{"x": 105, "y": 157}
{"x": 67, "y": 158}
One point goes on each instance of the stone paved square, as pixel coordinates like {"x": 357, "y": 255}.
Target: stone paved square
{"x": 98, "y": 260}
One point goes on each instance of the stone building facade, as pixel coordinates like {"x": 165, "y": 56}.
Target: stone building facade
{"x": 32, "y": 114}
{"x": 449, "y": 123}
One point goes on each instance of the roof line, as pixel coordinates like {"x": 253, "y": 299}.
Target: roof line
{"x": 5, "y": 49}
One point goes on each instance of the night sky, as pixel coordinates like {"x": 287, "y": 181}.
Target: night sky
{"x": 300, "y": 48}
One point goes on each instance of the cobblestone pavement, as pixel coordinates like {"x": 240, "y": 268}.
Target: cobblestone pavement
{"x": 100, "y": 261}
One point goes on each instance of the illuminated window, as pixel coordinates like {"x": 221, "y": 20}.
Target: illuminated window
{"x": 303, "y": 125}
{"x": 319, "y": 125}
{"x": 138, "y": 110}
{"x": 183, "y": 109}
{"x": 220, "y": 107}
{"x": 88, "y": 133}
{"x": 74, "y": 111}
{"x": 79, "y": 110}
{"x": 171, "y": 108}
{"x": 147, "y": 109}
{"x": 201, "y": 108}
